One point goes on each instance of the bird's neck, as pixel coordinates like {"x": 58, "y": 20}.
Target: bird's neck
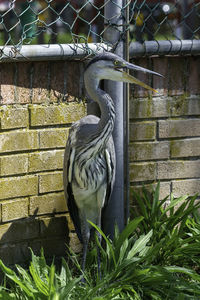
{"x": 105, "y": 102}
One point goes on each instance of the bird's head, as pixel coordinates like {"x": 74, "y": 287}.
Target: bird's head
{"x": 112, "y": 67}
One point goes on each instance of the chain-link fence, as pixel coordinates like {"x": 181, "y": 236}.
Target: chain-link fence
{"x": 165, "y": 20}
{"x": 55, "y": 21}
{"x": 84, "y": 21}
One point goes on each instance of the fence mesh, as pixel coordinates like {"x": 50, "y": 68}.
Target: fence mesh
{"x": 83, "y": 21}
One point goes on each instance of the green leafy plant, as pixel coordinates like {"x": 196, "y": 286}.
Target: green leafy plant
{"x": 156, "y": 256}
{"x": 40, "y": 281}
{"x": 175, "y": 224}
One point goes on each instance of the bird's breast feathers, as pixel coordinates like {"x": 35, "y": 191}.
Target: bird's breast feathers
{"x": 90, "y": 174}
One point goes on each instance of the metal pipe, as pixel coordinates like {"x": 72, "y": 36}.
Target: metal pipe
{"x": 79, "y": 51}
{"x": 114, "y": 214}
{"x": 126, "y": 127}
{"x": 50, "y": 52}
{"x": 170, "y": 47}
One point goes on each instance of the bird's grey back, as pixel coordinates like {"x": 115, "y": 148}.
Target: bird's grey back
{"x": 86, "y": 127}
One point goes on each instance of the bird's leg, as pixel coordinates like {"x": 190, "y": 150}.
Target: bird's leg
{"x": 98, "y": 249}
{"x": 99, "y": 257}
{"x": 85, "y": 231}
{"x": 85, "y": 247}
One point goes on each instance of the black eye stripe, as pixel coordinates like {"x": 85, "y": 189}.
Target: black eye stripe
{"x": 106, "y": 56}
{"x": 98, "y": 58}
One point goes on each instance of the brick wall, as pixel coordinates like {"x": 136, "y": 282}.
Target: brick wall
{"x": 39, "y": 101}
{"x": 165, "y": 127}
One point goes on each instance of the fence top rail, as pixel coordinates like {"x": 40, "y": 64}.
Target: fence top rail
{"x": 167, "y": 47}
{"x": 81, "y": 51}
{"x": 51, "y": 52}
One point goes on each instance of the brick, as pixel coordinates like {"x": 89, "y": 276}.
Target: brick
{"x": 177, "y": 83}
{"x": 48, "y": 203}
{"x": 18, "y": 187}
{"x": 164, "y": 189}
{"x": 13, "y": 117}
{"x": 194, "y": 75}
{"x": 14, "y": 209}
{"x": 4, "y": 228}
{"x": 40, "y": 85}
{"x": 160, "y": 65}
{"x": 179, "y": 169}
{"x": 13, "y": 164}
{"x": 55, "y": 247}
{"x": 35, "y": 245}
{"x": 19, "y": 230}
{"x": 57, "y": 85}
{"x": 74, "y": 80}
{"x": 149, "y": 108}
{"x": 74, "y": 243}
{"x": 50, "y": 182}
{"x": 149, "y": 151}
{"x": 23, "y": 88}
{"x": 185, "y": 106}
{"x": 55, "y": 226}
{"x": 70, "y": 224}
{"x": 56, "y": 114}
{"x": 185, "y": 187}
{"x": 179, "y": 128}
{"x": 7, "y": 86}
{"x": 142, "y": 131}
{"x": 142, "y": 171}
{"x": 18, "y": 141}
{"x": 136, "y": 90}
{"x": 185, "y": 148}
{"x": 16, "y": 253}
{"x": 54, "y": 138}
{"x": 48, "y": 160}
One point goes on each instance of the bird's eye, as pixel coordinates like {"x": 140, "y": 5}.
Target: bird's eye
{"x": 116, "y": 62}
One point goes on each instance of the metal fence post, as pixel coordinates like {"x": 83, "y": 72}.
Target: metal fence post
{"x": 114, "y": 213}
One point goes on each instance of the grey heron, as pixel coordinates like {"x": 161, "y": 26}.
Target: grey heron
{"x": 89, "y": 159}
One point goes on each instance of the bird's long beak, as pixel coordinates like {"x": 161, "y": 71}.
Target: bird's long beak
{"x": 130, "y": 79}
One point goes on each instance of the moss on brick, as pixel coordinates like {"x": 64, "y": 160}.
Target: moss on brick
{"x": 149, "y": 108}
{"x": 149, "y": 151}
{"x": 149, "y": 132}
{"x": 18, "y": 141}
{"x": 142, "y": 131}
{"x": 48, "y": 203}
{"x": 13, "y": 164}
{"x": 142, "y": 171}
{"x": 53, "y": 138}
{"x": 50, "y": 182}
{"x": 179, "y": 128}
{"x": 46, "y": 160}
{"x": 185, "y": 148}
{"x": 174, "y": 148}
{"x": 18, "y": 187}
{"x": 13, "y": 117}
{"x": 14, "y": 209}
{"x": 178, "y": 169}
{"x": 54, "y": 114}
